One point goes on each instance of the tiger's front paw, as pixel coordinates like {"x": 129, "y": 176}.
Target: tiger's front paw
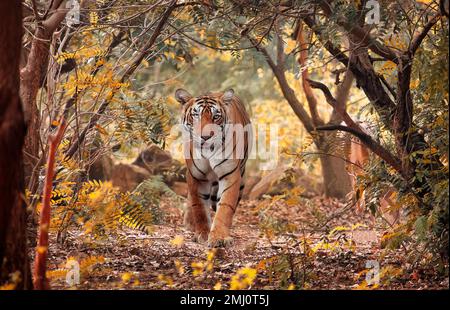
{"x": 219, "y": 239}
{"x": 201, "y": 236}
{"x": 200, "y": 233}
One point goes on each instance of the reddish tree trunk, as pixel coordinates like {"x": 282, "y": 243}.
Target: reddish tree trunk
{"x": 40, "y": 264}
{"x": 13, "y": 249}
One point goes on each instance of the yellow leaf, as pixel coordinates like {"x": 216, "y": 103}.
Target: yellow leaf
{"x": 217, "y": 286}
{"x": 198, "y": 268}
{"x": 211, "y": 38}
{"x": 225, "y": 56}
{"x": 243, "y": 278}
{"x": 414, "y": 84}
{"x": 179, "y": 266}
{"x": 126, "y": 277}
{"x": 101, "y": 130}
{"x": 292, "y": 201}
{"x": 166, "y": 279}
{"x": 95, "y": 195}
{"x": 93, "y": 18}
{"x": 177, "y": 241}
{"x": 172, "y": 101}
{"x": 290, "y": 46}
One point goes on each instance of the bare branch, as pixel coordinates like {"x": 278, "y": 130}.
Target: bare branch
{"x": 312, "y": 100}
{"x": 342, "y": 94}
{"x": 334, "y": 103}
{"x": 287, "y": 91}
{"x": 35, "y": 11}
{"x": 365, "y": 38}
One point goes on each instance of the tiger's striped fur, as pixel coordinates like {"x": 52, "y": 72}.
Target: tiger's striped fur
{"x": 215, "y": 158}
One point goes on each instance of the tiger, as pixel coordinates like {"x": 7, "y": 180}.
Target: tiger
{"x": 216, "y": 155}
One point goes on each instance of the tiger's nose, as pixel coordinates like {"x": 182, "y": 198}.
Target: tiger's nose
{"x": 204, "y": 138}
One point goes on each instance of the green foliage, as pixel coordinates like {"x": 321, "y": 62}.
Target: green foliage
{"x": 101, "y": 209}
{"x": 141, "y": 123}
{"x": 149, "y": 194}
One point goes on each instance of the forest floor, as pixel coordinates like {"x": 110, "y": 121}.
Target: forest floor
{"x": 168, "y": 258}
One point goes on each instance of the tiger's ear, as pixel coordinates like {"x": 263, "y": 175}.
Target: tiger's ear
{"x": 228, "y": 96}
{"x": 182, "y": 96}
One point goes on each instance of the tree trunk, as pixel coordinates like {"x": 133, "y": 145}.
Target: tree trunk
{"x": 336, "y": 180}
{"x": 15, "y": 269}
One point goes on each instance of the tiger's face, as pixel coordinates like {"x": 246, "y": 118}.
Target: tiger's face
{"x": 204, "y": 116}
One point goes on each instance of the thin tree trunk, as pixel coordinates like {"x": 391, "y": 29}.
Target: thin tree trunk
{"x": 40, "y": 267}
{"x": 32, "y": 76}
{"x": 335, "y": 177}
{"x": 334, "y": 174}
{"x": 338, "y": 174}
{"x": 15, "y": 269}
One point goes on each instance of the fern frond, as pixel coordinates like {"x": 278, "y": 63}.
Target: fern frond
{"x": 135, "y": 216}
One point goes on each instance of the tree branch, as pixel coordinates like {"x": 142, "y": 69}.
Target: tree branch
{"x": 362, "y": 35}
{"x": 406, "y": 140}
{"x": 312, "y": 100}
{"x": 335, "y": 104}
{"x": 370, "y": 143}
{"x": 415, "y": 43}
{"x": 117, "y": 39}
{"x": 287, "y": 91}
{"x": 53, "y": 22}
{"x": 342, "y": 95}
{"x": 356, "y": 130}
{"x": 364, "y": 73}
{"x": 125, "y": 76}
{"x": 365, "y": 38}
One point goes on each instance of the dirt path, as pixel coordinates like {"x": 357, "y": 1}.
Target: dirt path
{"x": 168, "y": 259}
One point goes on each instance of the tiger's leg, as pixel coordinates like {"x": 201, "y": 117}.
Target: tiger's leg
{"x": 229, "y": 193}
{"x": 196, "y": 217}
